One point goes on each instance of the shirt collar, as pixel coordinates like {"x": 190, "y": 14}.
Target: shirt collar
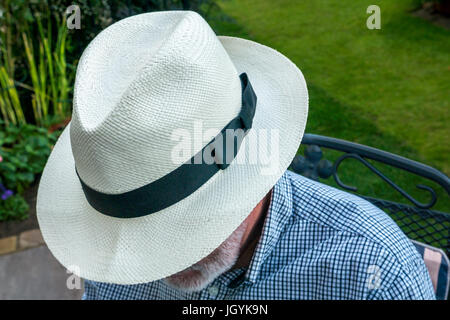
{"x": 280, "y": 210}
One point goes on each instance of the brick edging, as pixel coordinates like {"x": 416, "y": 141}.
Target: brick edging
{"x": 24, "y": 240}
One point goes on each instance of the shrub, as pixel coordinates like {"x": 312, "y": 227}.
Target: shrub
{"x": 13, "y": 208}
{"x": 24, "y": 151}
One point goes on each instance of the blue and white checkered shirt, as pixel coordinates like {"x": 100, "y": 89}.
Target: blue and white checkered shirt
{"x": 317, "y": 243}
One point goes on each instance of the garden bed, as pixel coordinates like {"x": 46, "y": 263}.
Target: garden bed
{"x": 15, "y": 227}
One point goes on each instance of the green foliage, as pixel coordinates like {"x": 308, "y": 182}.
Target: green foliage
{"x": 10, "y": 107}
{"x": 38, "y": 55}
{"x": 24, "y": 150}
{"x": 51, "y": 83}
{"x": 13, "y": 208}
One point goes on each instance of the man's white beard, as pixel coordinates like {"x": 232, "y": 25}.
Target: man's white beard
{"x": 200, "y": 275}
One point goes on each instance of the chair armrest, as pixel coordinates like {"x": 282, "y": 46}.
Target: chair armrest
{"x": 438, "y": 266}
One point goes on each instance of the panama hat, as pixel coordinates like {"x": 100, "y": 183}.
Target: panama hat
{"x": 113, "y": 205}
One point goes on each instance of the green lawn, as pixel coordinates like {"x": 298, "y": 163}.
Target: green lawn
{"x": 387, "y": 88}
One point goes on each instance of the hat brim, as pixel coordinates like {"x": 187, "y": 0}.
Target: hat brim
{"x": 138, "y": 250}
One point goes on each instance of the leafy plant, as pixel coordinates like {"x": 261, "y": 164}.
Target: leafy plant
{"x": 51, "y": 83}
{"x": 13, "y": 208}
{"x": 24, "y": 150}
{"x": 43, "y": 94}
{"x": 10, "y": 107}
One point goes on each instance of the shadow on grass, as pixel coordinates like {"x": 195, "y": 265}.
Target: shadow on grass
{"x": 327, "y": 116}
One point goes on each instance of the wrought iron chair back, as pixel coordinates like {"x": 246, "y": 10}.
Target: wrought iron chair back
{"x": 418, "y": 220}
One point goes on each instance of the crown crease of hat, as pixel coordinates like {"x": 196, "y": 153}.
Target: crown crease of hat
{"x": 173, "y": 73}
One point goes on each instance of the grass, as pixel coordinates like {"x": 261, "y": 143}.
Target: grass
{"x": 398, "y": 76}
{"x": 385, "y": 88}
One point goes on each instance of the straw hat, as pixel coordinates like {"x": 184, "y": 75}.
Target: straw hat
{"x": 113, "y": 205}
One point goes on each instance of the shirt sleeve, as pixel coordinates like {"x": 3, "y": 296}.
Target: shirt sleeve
{"x": 409, "y": 281}
{"x": 415, "y": 286}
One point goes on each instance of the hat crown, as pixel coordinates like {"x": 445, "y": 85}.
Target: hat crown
{"x": 139, "y": 81}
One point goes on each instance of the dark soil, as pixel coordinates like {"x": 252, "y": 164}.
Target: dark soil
{"x": 11, "y": 228}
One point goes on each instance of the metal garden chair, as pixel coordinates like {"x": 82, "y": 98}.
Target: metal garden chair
{"x": 427, "y": 227}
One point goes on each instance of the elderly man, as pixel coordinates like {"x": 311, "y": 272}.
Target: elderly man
{"x": 160, "y": 186}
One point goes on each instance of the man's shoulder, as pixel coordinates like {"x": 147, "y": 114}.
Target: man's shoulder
{"x": 349, "y": 215}
{"x": 352, "y": 231}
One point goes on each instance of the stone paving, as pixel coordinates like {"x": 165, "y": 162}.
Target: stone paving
{"x": 29, "y": 271}
{"x": 25, "y": 240}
